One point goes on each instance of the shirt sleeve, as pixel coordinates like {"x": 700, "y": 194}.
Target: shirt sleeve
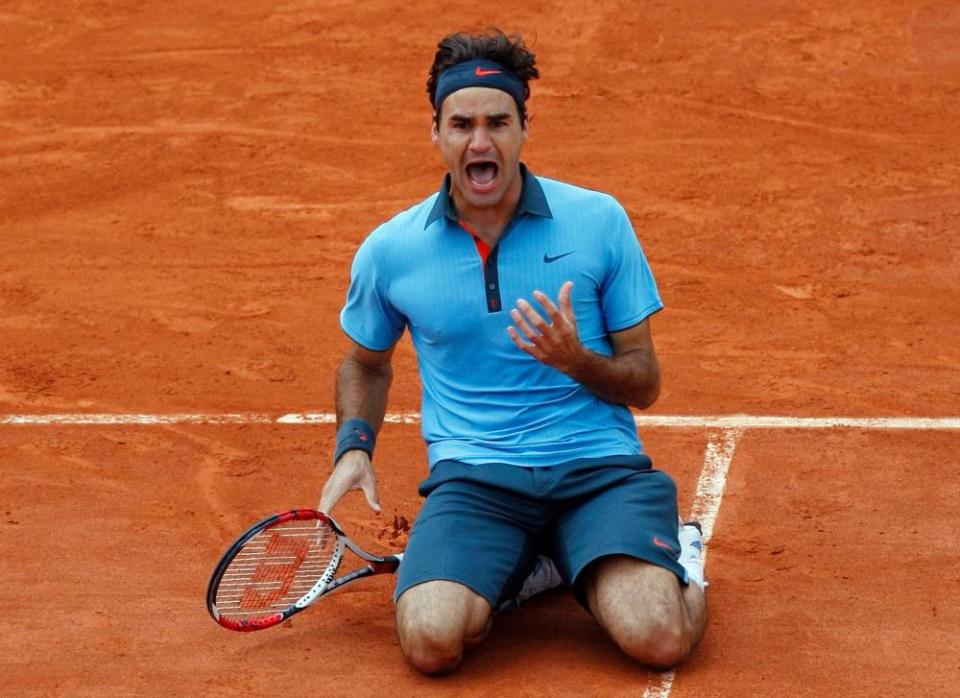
{"x": 629, "y": 292}
{"x": 368, "y": 317}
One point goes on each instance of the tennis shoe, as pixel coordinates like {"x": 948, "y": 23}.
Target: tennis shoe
{"x": 543, "y": 577}
{"x": 691, "y": 551}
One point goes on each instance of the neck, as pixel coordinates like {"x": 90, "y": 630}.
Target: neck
{"x": 489, "y": 222}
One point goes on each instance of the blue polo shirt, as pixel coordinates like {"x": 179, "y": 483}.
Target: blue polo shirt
{"x": 484, "y": 399}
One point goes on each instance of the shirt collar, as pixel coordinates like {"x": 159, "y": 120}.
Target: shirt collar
{"x": 532, "y": 199}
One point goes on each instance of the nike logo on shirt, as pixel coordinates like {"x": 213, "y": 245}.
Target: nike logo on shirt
{"x": 547, "y": 259}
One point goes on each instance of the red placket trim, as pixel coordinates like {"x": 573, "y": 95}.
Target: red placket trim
{"x": 482, "y": 248}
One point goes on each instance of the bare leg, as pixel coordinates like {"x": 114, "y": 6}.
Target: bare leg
{"x": 646, "y": 610}
{"x": 437, "y": 621}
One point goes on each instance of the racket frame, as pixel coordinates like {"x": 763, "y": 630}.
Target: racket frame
{"x": 376, "y": 564}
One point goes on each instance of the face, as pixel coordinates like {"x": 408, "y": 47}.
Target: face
{"x": 480, "y": 137}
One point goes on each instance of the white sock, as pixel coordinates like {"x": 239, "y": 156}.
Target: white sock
{"x": 691, "y": 554}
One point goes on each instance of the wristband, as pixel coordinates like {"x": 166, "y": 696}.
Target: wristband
{"x": 354, "y": 434}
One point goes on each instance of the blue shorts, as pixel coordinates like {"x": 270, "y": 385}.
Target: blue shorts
{"x": 484, "y": 525}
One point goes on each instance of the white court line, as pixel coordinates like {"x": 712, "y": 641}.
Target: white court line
{"x": 735, "y": 421}
{"x": 706, "y": 506}
{"x": 746, "y": 421}
{"x": 713, "y": 481}
{"x": 82, "y": 419}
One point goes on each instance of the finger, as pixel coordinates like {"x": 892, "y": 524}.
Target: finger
{"x": 369, "y": 488}
{"x": 529, "y": 348}
{"x": 532, "y": 315}
{"x": 521, "y": 323}
{"x": 548, "y": 305}
{"x": 565, "y": 296}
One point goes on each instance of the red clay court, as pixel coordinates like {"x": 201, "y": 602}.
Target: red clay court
{"x": 183, "y": 185}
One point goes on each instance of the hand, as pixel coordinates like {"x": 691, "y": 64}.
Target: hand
{"x": 556, "y": 343}
{"x": 353, "y": 471}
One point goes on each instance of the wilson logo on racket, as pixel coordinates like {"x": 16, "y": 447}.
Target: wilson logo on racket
{"x": 274, "y": 575}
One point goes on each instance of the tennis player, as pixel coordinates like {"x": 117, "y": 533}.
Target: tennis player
{"x": 528, "y": 301}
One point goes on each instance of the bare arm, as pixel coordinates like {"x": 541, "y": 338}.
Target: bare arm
{"x": 363, "y": 382}
{"x": 630, "y": 377}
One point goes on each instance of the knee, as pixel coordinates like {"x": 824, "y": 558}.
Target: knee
{"x": 430, "y": 648}
{"x": 641, "y": 606}
{"x": 658, "y": 643}
{"x": 434, "y": 633}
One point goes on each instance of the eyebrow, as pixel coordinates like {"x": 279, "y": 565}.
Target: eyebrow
{"x": 500, "y": 116}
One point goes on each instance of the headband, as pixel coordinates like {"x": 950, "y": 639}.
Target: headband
{"x": 480, "y": 72}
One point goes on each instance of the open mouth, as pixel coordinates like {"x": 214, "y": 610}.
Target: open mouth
{"x": 482, "y": 173}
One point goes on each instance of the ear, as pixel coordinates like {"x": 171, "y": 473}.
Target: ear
{"x": 434, "y": 132}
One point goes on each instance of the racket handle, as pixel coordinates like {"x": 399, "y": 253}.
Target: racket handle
{"x": 388, "y": 565}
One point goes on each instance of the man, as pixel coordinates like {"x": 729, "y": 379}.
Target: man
{"x": 531, "y": 445}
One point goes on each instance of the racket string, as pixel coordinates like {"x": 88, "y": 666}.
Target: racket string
{"x": 276, "y": 568}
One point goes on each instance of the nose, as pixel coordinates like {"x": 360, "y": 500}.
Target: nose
{"x": 480, "y": 140}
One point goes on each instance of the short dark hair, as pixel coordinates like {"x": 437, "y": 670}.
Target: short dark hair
{"x": 508, "y": 51}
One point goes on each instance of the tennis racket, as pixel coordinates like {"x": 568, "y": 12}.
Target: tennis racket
{"x": 281, "y": 565}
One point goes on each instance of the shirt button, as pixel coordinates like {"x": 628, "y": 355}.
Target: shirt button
{"x": 492, "y": 287}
